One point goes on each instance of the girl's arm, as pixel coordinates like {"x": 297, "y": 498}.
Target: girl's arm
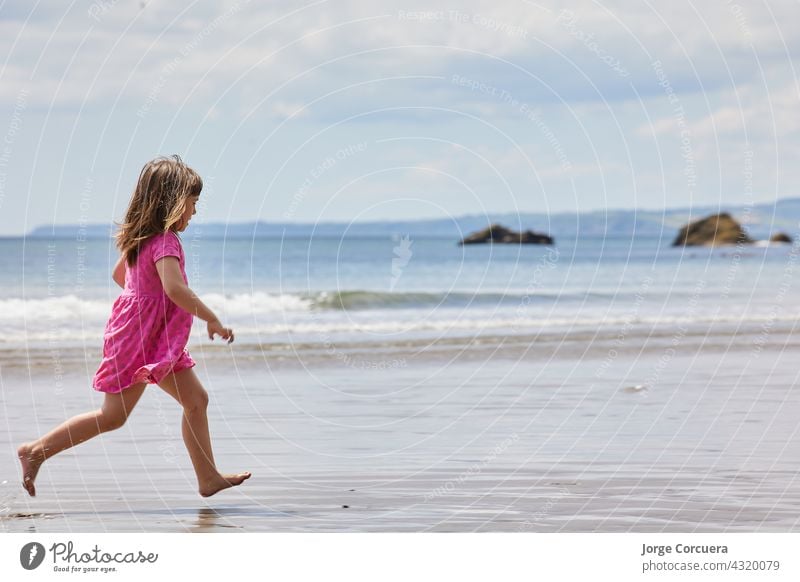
{"x": 169, "y": 270}
{"x": 119, "y": 272}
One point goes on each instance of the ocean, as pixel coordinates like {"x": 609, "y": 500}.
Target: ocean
{"x": 58, "y": 293}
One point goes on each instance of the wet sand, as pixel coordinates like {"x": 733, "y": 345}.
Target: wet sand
{"x": 700, "y": 439}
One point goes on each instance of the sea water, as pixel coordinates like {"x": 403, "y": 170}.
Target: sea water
{"x": 315, "y": 290}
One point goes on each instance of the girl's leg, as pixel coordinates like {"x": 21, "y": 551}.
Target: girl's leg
{"x": 112, "y": 415}
{"x": 186, "y": 388}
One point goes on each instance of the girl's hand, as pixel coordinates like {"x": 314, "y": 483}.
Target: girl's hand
{"x": 216, "y": 327}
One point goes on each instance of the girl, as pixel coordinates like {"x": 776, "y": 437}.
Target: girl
{"x": 145, "y": 337}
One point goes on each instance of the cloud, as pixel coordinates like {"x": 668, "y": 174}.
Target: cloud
{"x": 748, "y": 112}
{"x": 539, "y": 52}
{"x": 170, "y": 76}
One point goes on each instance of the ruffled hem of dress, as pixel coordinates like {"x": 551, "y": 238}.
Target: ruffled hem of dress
{"x": 151, "y": 373}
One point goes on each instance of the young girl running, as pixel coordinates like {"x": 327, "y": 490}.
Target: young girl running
{"x": 145, "y": 337}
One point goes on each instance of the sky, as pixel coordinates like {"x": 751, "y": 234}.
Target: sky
{"x": 357, "y": 111}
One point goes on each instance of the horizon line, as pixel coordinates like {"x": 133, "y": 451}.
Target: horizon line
{"x": 427, "y": 219}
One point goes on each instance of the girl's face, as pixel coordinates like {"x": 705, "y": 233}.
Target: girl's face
{"x": 188, "y": 212}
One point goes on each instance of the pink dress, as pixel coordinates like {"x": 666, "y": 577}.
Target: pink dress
{"x": 145, "y": 337}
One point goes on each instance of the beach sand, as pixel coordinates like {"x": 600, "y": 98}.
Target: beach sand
{"x": 679, "y": 432}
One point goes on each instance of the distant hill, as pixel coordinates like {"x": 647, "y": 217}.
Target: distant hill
{"x": 760, "y": 221}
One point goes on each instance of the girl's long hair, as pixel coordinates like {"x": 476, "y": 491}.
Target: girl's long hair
{"x": 157, "y": 204}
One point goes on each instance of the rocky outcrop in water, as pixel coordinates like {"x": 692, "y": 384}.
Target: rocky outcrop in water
{"x": 780, "y": 237}
{"x": 714, "y": 230}
{"x": 497, "y": 233}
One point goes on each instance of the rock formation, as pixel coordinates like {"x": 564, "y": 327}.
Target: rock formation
{"x": 496, "y": 233}
{"x": 714, "y": 230}
{"x": 780, "y": 237}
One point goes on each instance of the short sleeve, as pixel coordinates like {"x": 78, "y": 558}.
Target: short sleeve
{"x": 166, "y": 245}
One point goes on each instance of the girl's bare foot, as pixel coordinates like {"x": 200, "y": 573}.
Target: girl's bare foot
{"x": 30, "y": 462}
{"x": 221, "y": 482}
